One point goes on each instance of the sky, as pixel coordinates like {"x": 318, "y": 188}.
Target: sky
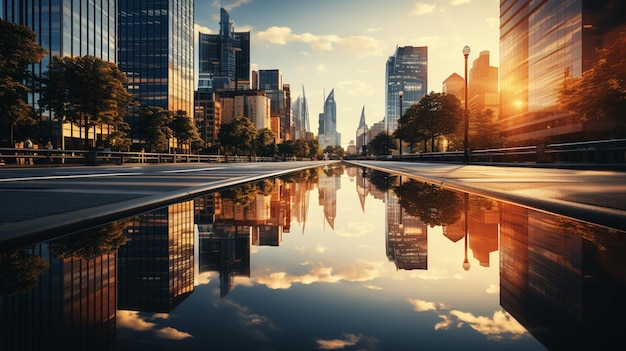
{"x": 344, "y": 45}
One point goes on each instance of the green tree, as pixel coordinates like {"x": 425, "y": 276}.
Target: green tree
{"x": 85, "y": 90}
{"x": 301, "y": 148}
{"x": 265, "y": 143}
{"x": 153, "y": 127}
{"x": 436, "y": 114}
{"x": 18, "y": 50}
{"x": 184, "y": 130}
{"x": 238, "y": 136}
{"x": 315, "y": 150}
{"x": 382, "y": 144}
{"x": 600, "y": 94}
{"x": 483, "y": 133}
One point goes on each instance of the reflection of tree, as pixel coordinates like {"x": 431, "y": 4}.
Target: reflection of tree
{"x": 91, "y": 243}
{"x": 432, "y": 205}
{"x": 19, "y": 272}
{"x": 334, "y": 170}
{"x": 246, "y": 194}
{"x": 309, "y": 175}
{"x": 383, "y": 181}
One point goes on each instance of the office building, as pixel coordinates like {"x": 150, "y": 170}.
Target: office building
{"x": 270, "y": 81}
{"x": 224, "y": 58}
{"x": 541, "y": 44}
{"x": 155, "y": 51}
{"x": 407, "y": 72}
{"x": 300, "y": 110}
{"x": 327, "y": 131}
{"x": 361, "y": 134}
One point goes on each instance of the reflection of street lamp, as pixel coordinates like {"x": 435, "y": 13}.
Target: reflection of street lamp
{"x": 466, "y": 155}
{"x": 400, "y": 137}
{"x": 466, "y": 264}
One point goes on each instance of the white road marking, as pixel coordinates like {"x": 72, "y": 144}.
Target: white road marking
{"x": 193, "y": 170}
{"x": 73, "y": 176}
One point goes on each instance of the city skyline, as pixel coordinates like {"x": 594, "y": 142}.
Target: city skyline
{"x": 345, "y": 45}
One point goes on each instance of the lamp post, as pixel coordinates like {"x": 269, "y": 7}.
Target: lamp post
{"x": 399, "y": 117}
{"x": 466, "y": 155}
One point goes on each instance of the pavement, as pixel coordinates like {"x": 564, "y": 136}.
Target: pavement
{"x": 590, "y": 193}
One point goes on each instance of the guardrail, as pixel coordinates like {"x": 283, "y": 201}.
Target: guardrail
{"x": 25, "y": 157}
{"x": 597, "y": 151}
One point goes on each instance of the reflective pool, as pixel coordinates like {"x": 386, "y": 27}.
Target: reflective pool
{"x": 335, "y": 258}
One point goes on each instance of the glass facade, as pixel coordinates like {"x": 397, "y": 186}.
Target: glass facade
{"x": 407, "y": 71}
{"x": 156, "y": 52}
{"x": 542, "y": 44}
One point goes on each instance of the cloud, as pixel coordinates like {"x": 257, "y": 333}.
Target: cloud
{"x": 496, "y": 327}
{"x": 421, "y": 8}
{"x": 230, "y": 7}
{"x": 132, "y": 320}
{"x": 363, "y": 342}
{"x": 202, "y": 29}
{"x": 459, "y": 2}
{"x": 359, "y": 45}
{"x": 171, "y": 333}
{"x": 421, "y": 305}
{"x": 355, "y": 88}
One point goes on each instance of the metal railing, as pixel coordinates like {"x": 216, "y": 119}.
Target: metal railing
{"x": 26, "y": 157}
{"x": 597, "y": 151}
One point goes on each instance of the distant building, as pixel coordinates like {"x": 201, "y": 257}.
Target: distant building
{"x": 454, "y": 85}
{"x": 483, "y": 85}
{"x": 361, "y": 134}
{"x": 270, "y": 81}
{"x": 327, "y": 131}
{"x": 224, "y": 58}
{"x": 541, "y": 44}
{"x": 300, "y": 110}
{"x": 407, "y": 72}
{"x": 253, "y": 104}
{"x": 208, "y": 117}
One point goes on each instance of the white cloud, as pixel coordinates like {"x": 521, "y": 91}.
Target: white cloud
{"x": 360, "y": 341}
{"x": 230, "y": 7}
{"x": 459, "y": 2}
{"x": 171, "y": 333}
{"x": 421, "y": 305}
{"x": 132, "y": 320}
{"x": 421, "y": 8}
{"x": 202, "y": 29}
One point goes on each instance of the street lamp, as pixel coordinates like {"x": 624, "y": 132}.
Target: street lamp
{"x": 399, "y": 137}
{"x": 466, "y": 155}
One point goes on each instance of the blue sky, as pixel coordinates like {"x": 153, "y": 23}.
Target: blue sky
{"x": 344, "y": 45}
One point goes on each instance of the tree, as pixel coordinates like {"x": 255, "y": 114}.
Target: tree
{"x": 435, "y": 114}
{"x": 600, "y": 94}
{"x": 315, "y": 150}
{"x": 265, "y": 143}
{"x": 483, "y": 133}
{"x": 238, "y": 136}
{"x": 184, "y": 129}
{"x": 19, "y": 51}
{"x": 85, "y": 90}
{"x": 381, "y": 144}
{"x": 154, "y": 129}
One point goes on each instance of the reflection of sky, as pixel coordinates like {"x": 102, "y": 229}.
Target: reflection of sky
{"x": 335, "y": 289}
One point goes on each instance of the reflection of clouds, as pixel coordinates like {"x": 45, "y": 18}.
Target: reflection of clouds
{"x": 430, "y": 274}
{"x": 359, "y": 271}
{"x": 493, "y": 289}
{"x": 356, "y": 229}
{"x": 373, "y": 287}
{"x": 320, "y": 249}
{"x": 172, "y": 334}
{"x": 363, "y": 342}
{"x": 498, "y": 327}
{"x": 204, "y": 278}
{"x": 256, "y": 325}
{"x": 132, "y": 320}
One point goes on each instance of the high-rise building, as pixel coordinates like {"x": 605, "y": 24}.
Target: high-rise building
{"x": 155, "y": 51}
{"x": 300, "y": 110}
{"x": 270, "y": 81}
{"x": 327, "y": 132}
{"x": 361, "y": 134}
{"x": 541, "y": 44}
{"x": 64, "y": 28}
{"x": 483, "y": 85}
{"x": 454, "y": 85}
{"x": 224, "y": 58}
{"x": 407, "y": 72}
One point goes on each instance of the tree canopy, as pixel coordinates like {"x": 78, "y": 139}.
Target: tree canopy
{"x": 154, "y": 129}
{"x": 18, "y": 50}
{"x": 238, "y": 136}
{"x": 86, "y": 89}
{"x": 600, "y": 94}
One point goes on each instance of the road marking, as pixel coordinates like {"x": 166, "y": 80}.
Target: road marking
{"x": 193, "y": 170}
{"x": 68, "y": 176}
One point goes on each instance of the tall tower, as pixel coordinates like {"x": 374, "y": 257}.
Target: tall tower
{"x": 407, "y": 72}
{"x": 541, "y": 44}
{"x": 301, "y": 117}
{"x": 328, "y": 135}
{"x": 156, "y": 53}
{"x": 361, "y": 133}
{"x": 224, "y": 58}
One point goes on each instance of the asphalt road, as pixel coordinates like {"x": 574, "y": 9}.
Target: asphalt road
{"x": 42, "y": 202}
{"x": 590, "y": 195}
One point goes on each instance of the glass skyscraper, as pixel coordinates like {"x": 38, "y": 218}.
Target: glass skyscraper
{"x": 407, "y": 72}
{"x": 65, "y": 28}
{"x": 155, "y": 46}
{"x": 541, "y": 44}
{"x": 327, "y": 132}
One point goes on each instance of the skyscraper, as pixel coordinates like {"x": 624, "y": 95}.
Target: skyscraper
{"x": 155, "y": 47}
{"x": 541, "y": 44}
{"x": 407, "y": 72}
{"x": 483, "y": 85}
{"x": 361, "y": 134}
{"x": 328, "y": 135}
{"x": 64, "y": 28}
{"x": 224, "y": 58}
{"x": 301, "y": 117}
{"x": 270, "y": 81}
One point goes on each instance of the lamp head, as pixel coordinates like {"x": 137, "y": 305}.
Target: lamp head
{"x": 400, "y": 93}
{"x": 466, "y": 50}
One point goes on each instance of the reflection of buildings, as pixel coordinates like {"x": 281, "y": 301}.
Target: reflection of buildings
{"x": 407, "y": 236}
{"x": 71, "y": 308}
{"x": 557, "y": 279}
{"x": 328, "y": 186}
{"x": 156, "y": 264}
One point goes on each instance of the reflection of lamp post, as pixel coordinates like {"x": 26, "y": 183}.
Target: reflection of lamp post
{"x": 466, "y": 155}
{"x": 400, "y": 137}
{"x": 466, "y": 264}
